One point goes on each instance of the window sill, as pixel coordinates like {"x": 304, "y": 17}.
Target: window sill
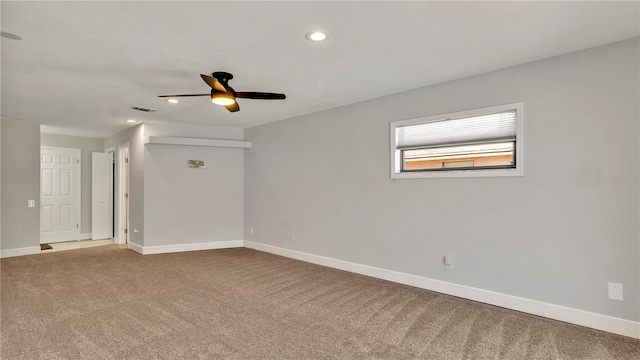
{"x": 458, "y": 174}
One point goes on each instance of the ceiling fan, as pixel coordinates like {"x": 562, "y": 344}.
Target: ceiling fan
{"x": 223, "y": 94}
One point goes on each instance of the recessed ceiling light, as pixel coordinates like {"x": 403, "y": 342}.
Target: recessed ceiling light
{"x": 173, "y": 101}
{"x": 130, "y": 120}
{"x": 9, "y": 35}
{"x": 316, "y": 36}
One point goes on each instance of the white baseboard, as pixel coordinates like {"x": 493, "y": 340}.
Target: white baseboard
{"x": 162, "y": 249}
{"x": 20, "y": 251}
{"x": 85, "y": 236}
{"x": 557, "y": 312}
{"x": 135, "y": 247}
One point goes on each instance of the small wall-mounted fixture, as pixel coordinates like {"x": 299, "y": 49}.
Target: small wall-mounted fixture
{"x": 196, "y": 164}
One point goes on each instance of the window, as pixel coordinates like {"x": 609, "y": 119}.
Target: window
{"x": 482, "y": 142}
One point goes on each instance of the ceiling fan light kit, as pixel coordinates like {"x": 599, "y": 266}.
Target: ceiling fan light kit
{"x": 222, "y": 98}
{"x": 225, "y": 95}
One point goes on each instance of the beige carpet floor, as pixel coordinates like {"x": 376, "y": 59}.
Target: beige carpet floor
{"x": 111, "y": 303}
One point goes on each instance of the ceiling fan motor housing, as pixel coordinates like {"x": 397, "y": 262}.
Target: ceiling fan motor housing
{"x": 222, "y": 76}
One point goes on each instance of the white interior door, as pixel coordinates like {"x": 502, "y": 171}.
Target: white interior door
{"x": 59, "y": 194}
{"x": 101, "y": 215}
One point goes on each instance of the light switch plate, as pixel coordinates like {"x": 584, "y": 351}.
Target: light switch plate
{"x": 31, "y": 203}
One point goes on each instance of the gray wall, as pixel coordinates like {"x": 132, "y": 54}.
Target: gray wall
{"x": 86, "y": 146}
{"x": 184, "y": 205}
{"x": 135, "y": 137}
{"x": 558, "y": 234}
{"x": 160, "y": 187}
{"x": 20, "y": 225}
{"x": 187, "y": 206}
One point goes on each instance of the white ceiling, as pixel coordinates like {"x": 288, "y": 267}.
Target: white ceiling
{"x": 81, "y": 65}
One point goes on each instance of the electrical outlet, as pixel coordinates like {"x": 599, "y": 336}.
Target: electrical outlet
{"x": 615, "y": 291}
{"x": 135, "y": 231}
{"x": 448, "y": 263}
{"x": 251, "y": 229}
{"x": 293, "y": 237}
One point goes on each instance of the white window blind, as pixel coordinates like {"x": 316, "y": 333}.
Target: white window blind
{"x": 467, "y": 130}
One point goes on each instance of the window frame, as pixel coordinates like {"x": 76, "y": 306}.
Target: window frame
{"x": 396, "y": 161}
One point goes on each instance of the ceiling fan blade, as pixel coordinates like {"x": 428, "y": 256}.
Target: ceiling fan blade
{"x": 260, "y": 95}
{"x": 233, "y": 107}
{"x": 213, "y": 83}
{"x": 183, "y": 95}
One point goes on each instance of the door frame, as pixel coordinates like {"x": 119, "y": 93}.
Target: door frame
{"x": 112, "y": 191}
{"x": 122, "y": 187}
{"x": 78, "y": 189}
